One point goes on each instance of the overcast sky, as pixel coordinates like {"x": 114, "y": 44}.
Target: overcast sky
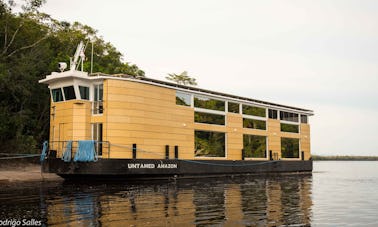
{"x": 320, "y": 55}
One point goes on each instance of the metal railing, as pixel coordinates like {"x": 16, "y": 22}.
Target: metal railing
{"x": 59, "y": 147}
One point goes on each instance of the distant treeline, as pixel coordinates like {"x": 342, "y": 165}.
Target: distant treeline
{"x": 344, "y": 158}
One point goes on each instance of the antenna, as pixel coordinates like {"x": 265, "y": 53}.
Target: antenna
{"x": 78, "y": 53}
{"x": 92, "y": 41}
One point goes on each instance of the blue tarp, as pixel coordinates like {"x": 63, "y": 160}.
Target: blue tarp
{"x": 44, "y": 151}
{"x": 86, "y": 151}
{"x": 67, "y": 153}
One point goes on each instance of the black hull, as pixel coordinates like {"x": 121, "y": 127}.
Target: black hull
{"x": 163, "y": 168}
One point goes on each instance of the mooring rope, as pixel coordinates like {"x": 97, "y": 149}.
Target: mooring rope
{"x": 19, "y": 156}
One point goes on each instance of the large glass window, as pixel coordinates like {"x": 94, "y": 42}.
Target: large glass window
{"x": 57, "y": 95}
{"x": 208, "y": 103}
{"x": 183, "y": 99}
{"x": 254, "y": 146}
{"x": 208, "y": 118}
{"x": 289, "y": 128}
{"x": 98, "y": 96}
{"x": 254, "y": 111}
{"x": 255, "y": 124}
{"x": 289, "y": 148}
{"x": 209, "y": 144}
{"x": 233, "y": 107}
{"x": 84, "y": 92}
{"x": 287, "y": 116}
{"x": 69, "y": 93}
{"x": 272, "y": 114}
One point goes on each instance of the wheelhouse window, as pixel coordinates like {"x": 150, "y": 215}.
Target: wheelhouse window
{"x": 209, "y": 144}
{"x": 98, "y": 99}
{"x": 209, "y": 118}
{"x": 254, "y": 111}
{"x": 289, "y": 148}
{"x": 287, "y": 116}
{"x": 272, "y": 114}
{"x": 57, "y": 95}
{"x": 84, "y": 92}
{"x": 208, "y": 103}
{"x": 254, "y": 124}
{"x": 69, "y": 93}
{"x": 233, "y": 107}
{"x": 254, "y": 146}
{"x": 304, "y": 119}
{"x": 183, "y": 99}
{"x": 289, "y": 128}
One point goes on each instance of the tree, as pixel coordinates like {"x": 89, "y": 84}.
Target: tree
{"x": 182, "y": 78}
{"x": 31, "y": 45}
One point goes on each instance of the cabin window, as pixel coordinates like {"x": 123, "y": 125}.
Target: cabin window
{"x": 69, "y": 93}
{"x": 57, "y": 95}
{"x": 254, "y": 111}
{"x": 254, "y": 146}
{"x": 209, "y": 118}
{"x": 84, "y": 92}
{"x": 98, "y": 96}
{"x": 287, "y": 116}
{"x": 304, "y": 119}
{"x": 272, "y": 114}
{"x": 209, "y": 144}
{"x": 233, "y": 107}
{"x": 254, "y": 124}
{"x": 289, "y": 128}
{"x": 289, "y": 148}
{"x": 183, "y": 99}
{"x": 208, "y": 103}
{"x": 98, "y": 93}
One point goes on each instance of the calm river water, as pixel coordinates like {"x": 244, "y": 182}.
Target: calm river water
{"x": 339, "y": 193}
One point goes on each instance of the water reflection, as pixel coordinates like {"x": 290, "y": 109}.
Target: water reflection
{"x": 243, "y": 201}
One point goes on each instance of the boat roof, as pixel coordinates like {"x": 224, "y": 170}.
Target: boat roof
{"x": 201, "y": 90}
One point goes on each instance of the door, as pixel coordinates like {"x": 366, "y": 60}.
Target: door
{"x": 97, "y": 136}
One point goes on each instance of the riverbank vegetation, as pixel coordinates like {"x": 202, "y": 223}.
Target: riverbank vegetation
{"x": 344, "y": 158}
{"x": 31, "y": 45}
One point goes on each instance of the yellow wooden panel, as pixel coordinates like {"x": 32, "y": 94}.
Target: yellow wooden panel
{"x": 235, "y": 140}
{"x": 255, "y": 132}
{"x": 209, "y": 127}
{"x": 290, "y": 135}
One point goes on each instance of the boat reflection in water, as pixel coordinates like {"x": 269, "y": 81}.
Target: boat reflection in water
{"x": 240, "y": 201}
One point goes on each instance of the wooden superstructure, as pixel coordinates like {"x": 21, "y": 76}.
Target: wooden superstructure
{"x": 142, "y": 118}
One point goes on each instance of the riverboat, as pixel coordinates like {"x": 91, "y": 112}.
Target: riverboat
{"x": 107, "y": 126}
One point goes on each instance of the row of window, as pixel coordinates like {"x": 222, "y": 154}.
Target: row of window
{"x": 68, "y": 93}
{"x": 213, "y": 144}
{"x": 217, "y": 119}
{"x": 204, "y": 102}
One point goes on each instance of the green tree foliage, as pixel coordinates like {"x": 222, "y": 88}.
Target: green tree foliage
{"x": 209, "y": 144}
{"x": 31, "y": 45}
{"x": 182, "y": 78}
